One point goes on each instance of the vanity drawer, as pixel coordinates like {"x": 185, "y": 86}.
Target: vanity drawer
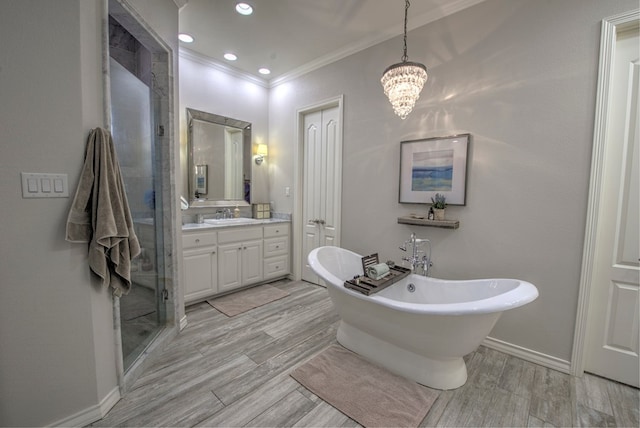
{"x": 280, "y": 229}
{"x": 191, "y": 240}
{"x": 276, "y": 246}
{"x": 239, "y": 234}
{"x": 276, "y": 266}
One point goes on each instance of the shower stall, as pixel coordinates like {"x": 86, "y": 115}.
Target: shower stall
{"x": 134, "y": 112}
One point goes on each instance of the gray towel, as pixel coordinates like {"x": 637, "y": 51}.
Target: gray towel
{"x": 100, "y": 215}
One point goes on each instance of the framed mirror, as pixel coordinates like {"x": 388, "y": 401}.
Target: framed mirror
{"x": 219, "y": 161}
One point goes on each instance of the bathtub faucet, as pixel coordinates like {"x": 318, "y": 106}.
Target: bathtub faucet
{"x": 419, "y": 259}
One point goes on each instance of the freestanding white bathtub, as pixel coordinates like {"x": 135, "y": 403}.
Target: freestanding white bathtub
{"x": 421, "y": 335}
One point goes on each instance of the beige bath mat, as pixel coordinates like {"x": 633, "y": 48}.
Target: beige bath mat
{"x": 367, "y": 393}
{"x": 242, "y": 301}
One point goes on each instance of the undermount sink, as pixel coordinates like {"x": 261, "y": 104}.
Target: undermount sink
{"x": 241, "y": 220}
{"x": 195, "y": 226}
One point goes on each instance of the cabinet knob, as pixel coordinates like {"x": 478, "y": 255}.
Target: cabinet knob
{"x": 197, "y": 241}
{"x": 277, "y": 231}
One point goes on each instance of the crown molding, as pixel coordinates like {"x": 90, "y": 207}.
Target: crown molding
{"x": 417, "y": 21}
{"x": 210, "y": 62}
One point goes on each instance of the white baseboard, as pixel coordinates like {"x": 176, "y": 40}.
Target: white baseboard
{"x": 530, "y": 355}
{"x": 109, "y": 401}
{"x": 183, "y": 322}
{"x": 91, "y": 414}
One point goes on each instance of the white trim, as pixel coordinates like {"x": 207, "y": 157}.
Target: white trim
{"x": 183, "y": 322}
{"x": 298, "y": 156}
{"x": 610, "y": 27}
{"x": 530, "y": 355}
{"x": 91, "y": 414}
{"x": 210, "y": 62}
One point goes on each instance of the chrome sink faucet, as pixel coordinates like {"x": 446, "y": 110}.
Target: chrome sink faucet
{"x": 418, "y": 259}
{"x": 224, "y": 213}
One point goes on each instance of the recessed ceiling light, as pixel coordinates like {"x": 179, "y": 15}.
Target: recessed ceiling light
{"x": 264, "y": 71}
{"x": 244, "y": 9}
{"x": 230, "y": 57}
{"x": 183, "y": 37}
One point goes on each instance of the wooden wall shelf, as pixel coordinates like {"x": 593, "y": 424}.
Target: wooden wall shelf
{"x": 444, "y": 224}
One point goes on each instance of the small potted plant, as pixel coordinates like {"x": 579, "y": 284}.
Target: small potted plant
{"x": 438, "y": 204}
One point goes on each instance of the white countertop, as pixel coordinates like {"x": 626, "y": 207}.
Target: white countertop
{"x": 230, "y": 222}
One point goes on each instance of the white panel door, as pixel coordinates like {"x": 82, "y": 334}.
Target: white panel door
{"x": 233, "y": 180}
{"x": 612, "y": 330}
{"x": 321, "y": 187}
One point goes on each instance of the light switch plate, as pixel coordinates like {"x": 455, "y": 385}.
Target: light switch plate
{"x": 39, "y": 185}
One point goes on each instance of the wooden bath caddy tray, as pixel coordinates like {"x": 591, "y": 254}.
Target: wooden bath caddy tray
{"x": 369, "y": 286}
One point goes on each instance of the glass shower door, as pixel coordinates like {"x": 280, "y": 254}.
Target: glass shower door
{"x": 142, "y": 311}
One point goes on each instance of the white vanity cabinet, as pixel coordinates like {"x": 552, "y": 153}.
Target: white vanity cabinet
{"x": 200, "y": 256}
{"x": 240, "y": 257}
{"x": 276, "y": 250}
{"x": 221, "y": 259}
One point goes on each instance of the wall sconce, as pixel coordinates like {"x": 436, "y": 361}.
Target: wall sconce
{"x": 261, "y": 152}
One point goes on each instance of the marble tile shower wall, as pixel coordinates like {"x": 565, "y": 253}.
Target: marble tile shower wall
{"x": 129, "y": 52}
{"x": 135, "y": 166}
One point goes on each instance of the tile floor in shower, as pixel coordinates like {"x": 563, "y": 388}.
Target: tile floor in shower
{"x": 224, "y": 371}
{"x": 138, "y": 321}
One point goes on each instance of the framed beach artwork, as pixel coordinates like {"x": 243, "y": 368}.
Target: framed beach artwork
{"x": 434, "y": 165}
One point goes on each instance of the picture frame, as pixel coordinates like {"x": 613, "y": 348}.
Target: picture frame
{"x": 434, "y": 165}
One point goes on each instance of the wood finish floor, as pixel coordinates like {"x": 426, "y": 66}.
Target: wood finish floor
{"x": 224, "y": 371}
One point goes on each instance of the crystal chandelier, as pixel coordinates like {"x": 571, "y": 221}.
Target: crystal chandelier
{"x": 402, "y": 82}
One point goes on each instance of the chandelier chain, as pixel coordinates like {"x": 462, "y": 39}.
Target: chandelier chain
{"x": 405, "y": 58}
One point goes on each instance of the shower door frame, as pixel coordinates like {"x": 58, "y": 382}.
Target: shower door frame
{"x": 164, "y": 147}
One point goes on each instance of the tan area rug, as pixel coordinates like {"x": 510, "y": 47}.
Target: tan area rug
{"x": 367, "y": 393}
{"x": 242, "y": 301}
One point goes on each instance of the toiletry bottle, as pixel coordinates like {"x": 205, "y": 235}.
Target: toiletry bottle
{"x": 236, "y": 212}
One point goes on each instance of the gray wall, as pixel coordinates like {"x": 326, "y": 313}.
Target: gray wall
{"x": 520, "y": 76}
{"x": 57, "y": 356}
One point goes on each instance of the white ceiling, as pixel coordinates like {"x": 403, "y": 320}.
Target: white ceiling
{"x": 291, "y": 37}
